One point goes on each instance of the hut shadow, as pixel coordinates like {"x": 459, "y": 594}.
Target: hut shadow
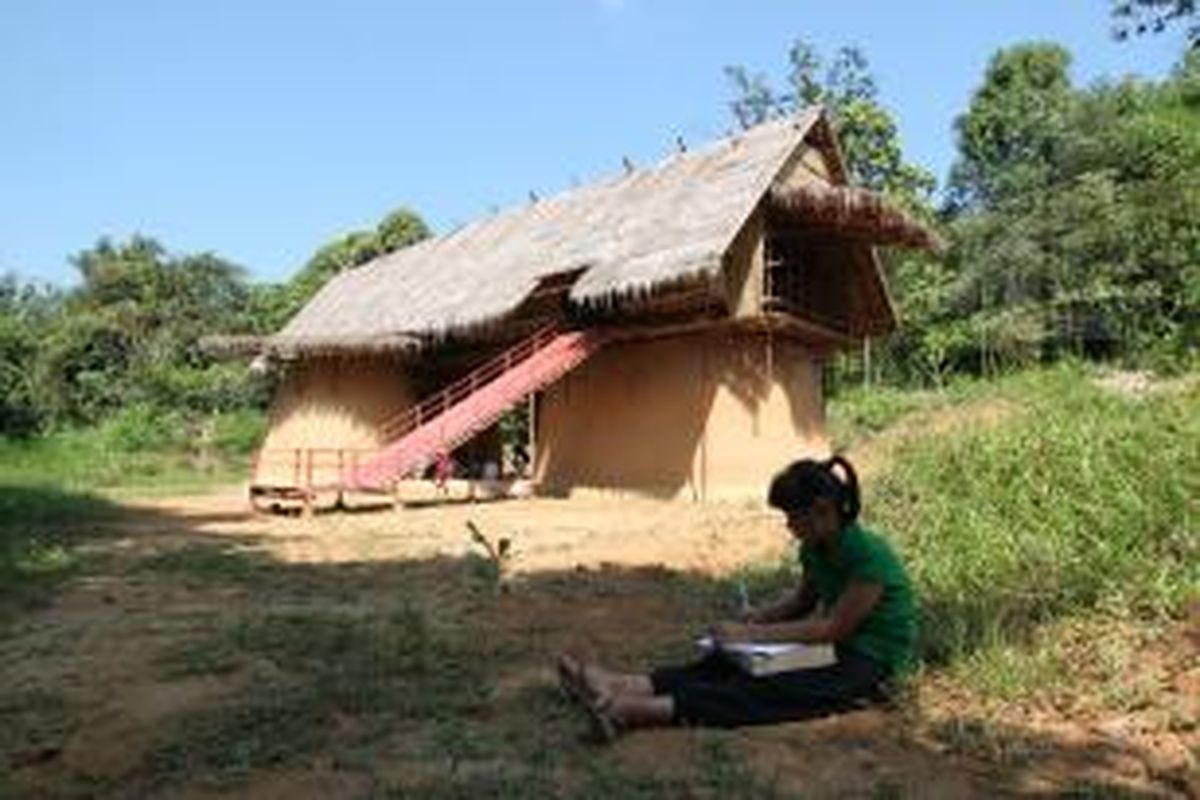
{"x": 24, "y": 505}
{"x": 451, "y": 502}
{"x": 631, "y": 617}
{"x": 761, "y": 364}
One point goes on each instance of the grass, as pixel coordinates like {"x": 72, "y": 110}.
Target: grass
{"x": 87, "y": 460}
{"x": 51, "y": 487}
{"x": 223, "y": 744}
{"x": 403, "y": 690}
{"x": 203, "y": 563}
{"x": 36, "y": 553}
{"x": 858, "y": 413}
{"x": 716, "y": 769}
{"x": 1084, "y": 504}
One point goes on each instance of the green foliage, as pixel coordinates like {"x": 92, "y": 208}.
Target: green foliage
{"x": 140, "y": 428}
{"x": 1072, "y": 215}
{"x": 1083, "y": 222}
{"x": 25, "y": 312}
{"x": 1084, "y": 501}
{"x": 127, "y": 337}
{"x": 126, "y": 341}
{"x": 1011, "y": 137}
{"x": 122, "y": 453}
{"x": 1140, "y": 17}
{"x": 238, "y": 432}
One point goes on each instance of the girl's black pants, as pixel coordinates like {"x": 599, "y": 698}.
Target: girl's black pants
{"x": 716, "y": 692}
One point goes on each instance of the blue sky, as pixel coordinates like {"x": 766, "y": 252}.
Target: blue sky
{"x": 259, "y": 129}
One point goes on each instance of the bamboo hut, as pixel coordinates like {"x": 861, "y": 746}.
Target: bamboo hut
{"x": 703, "y": 294}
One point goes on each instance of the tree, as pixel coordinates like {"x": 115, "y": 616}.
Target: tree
{"x": 1073, "y": 215}
{"x": 1154, "y": 16}
{"x": 24, "y": 314}
{"x": 1081, "y": 223}
{"x": 400, "y": 229}
{"x": 397, "y": 230}
{"x": 867, "y": 132}
{"x": 1011, "y": 137}
{"x": 129, "y": 335}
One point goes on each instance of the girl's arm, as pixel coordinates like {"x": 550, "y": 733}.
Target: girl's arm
{"x": 797, "y": 603}
{"x": 848, "y": 613}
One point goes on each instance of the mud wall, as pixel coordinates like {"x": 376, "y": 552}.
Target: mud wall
{"x": 704, "y": 416}
{"x": 331, "y": 403}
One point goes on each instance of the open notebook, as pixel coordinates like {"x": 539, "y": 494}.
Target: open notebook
{"x": 763, "y": 658}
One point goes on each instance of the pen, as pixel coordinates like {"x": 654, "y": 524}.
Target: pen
{"x": 743, "y": 596}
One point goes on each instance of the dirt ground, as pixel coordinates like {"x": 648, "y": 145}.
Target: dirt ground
{"x": 97, "y": 684}
{"x": 546, "y": 534}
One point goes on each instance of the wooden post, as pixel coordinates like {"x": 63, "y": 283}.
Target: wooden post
{"x": 533, "y": 421}
{"x": 866, "y": 362}
{"x": 341, "y": 480}
{"x": 707, "y": 422}
{"x": 308, "y": 495}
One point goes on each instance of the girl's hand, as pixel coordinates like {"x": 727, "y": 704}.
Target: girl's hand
{"x": 725, "y": 632}
{"x": 754, "y": 616}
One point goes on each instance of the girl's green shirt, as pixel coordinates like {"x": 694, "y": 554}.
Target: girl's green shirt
{"x": 888, "y": 634}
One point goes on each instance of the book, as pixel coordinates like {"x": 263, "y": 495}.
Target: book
{"x": 769, "y": 658}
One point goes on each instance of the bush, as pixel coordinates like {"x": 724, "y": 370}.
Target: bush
{"x": 239, "y": 432}
{"x": 141, "y": 428}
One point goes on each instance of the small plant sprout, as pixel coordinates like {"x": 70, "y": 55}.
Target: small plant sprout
{"x": 499, "y": 555}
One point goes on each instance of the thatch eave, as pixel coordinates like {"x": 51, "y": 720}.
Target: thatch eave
{"x": 234, "y": 346}
{"x": 851, "y": 212}
{"x": 285, "y": 348}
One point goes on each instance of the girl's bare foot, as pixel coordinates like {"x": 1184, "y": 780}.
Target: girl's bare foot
{"x": 580, "y": 677}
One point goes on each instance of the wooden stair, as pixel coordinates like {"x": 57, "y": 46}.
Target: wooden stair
{"x": 441, "y": 423}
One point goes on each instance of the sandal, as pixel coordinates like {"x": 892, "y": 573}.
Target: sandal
{"x": 606, "y": 728}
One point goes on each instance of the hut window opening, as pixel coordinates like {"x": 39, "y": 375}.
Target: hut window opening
{"x": 807, "y": 278}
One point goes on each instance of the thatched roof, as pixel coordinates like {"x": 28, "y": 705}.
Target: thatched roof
{"x": 627, "y": 235}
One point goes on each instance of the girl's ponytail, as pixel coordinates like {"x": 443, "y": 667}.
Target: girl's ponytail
{"x": 849, "y": 500}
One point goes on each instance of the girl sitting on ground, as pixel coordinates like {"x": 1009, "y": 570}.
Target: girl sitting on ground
{"x": 850, "y": 572}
